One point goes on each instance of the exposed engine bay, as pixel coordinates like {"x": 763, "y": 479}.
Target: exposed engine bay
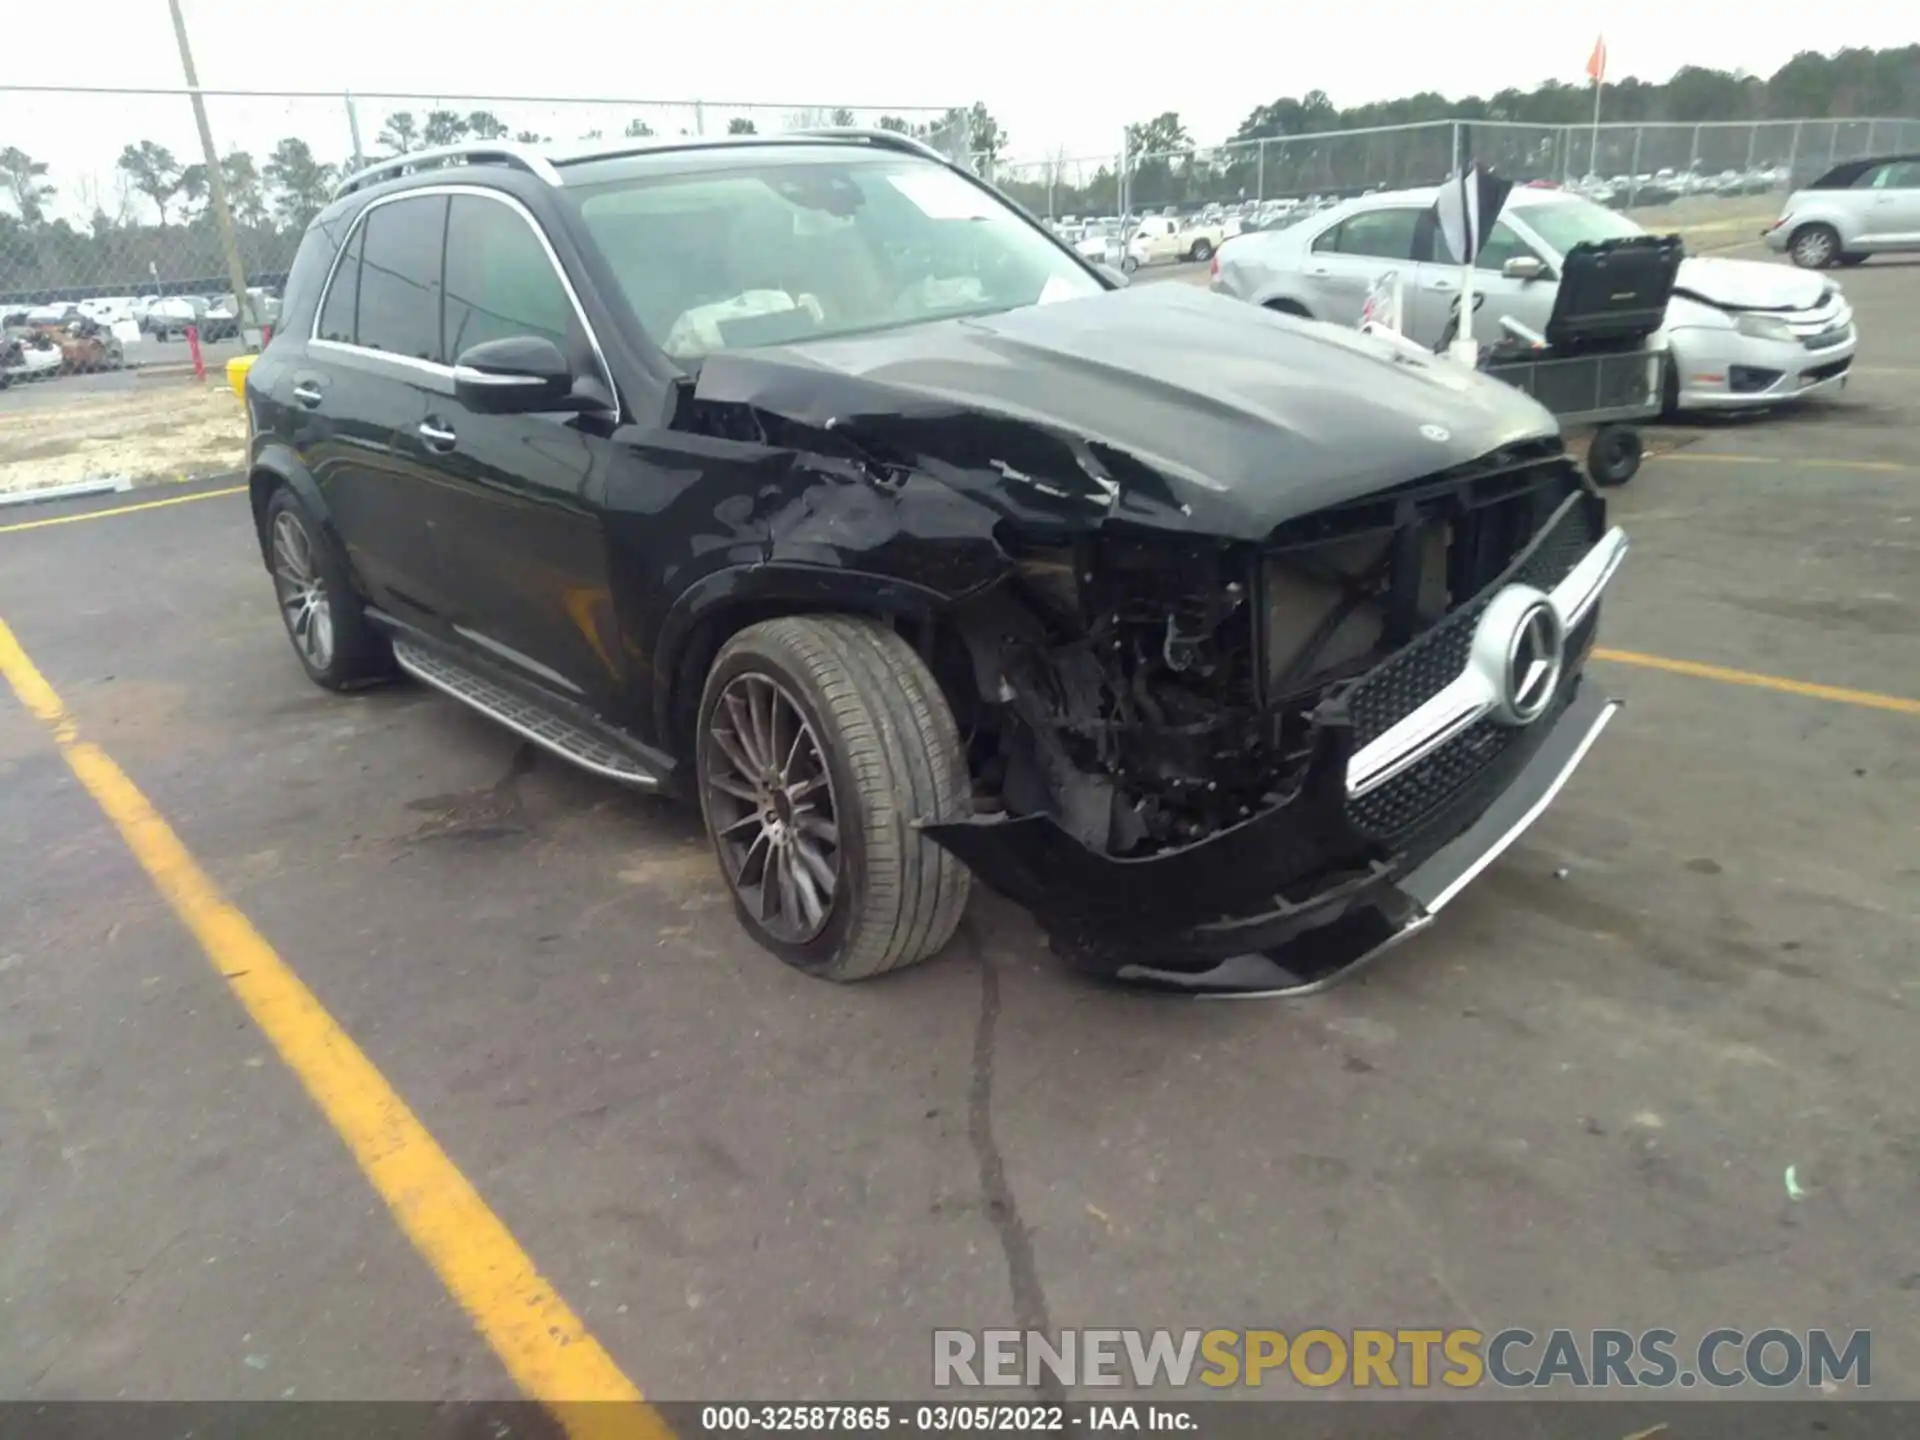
{"x": 1150, "y": 691}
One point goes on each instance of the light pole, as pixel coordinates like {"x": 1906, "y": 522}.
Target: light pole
{"x": 216, "y": 181}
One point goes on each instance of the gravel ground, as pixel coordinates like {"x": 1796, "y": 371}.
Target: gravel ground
{"x": 174, "y": 430}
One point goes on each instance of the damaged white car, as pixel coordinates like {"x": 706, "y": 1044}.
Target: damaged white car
{"x": 1742, "y": 333}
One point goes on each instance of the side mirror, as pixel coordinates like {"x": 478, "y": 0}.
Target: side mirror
{"x": 1524, "y": 267}
{"x": 520, "y": 375}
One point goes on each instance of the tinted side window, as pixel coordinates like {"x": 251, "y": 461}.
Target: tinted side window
{"x": 400, "y": 277}
{"x": 499, "y": 279}
{"x": 1902, "y": 175}
{"x": 343, "y": 299}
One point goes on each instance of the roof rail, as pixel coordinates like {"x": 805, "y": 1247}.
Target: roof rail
{"x": 476, "y": 152}
{"x": 881, "y": 136}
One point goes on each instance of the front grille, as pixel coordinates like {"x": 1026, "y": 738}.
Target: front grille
{"x": 1421, "y": 797}
{"x": 1412, "y": 675}
{"x": 1416, "y": 797}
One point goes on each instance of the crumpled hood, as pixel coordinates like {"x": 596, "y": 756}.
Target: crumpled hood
{"x": 1749, "y": 284}
{"x": 1163, "y": 403}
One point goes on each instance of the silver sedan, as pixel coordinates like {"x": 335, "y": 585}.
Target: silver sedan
{"x": 1742, "y": 333}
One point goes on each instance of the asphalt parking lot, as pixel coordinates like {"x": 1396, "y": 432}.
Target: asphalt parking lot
{"x": 1574, "y": 1101}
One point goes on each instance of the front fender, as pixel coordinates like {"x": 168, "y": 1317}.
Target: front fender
{"x": 773, "y": 587}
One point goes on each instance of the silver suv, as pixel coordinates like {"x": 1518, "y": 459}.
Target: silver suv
{"x": 1861, "y": 208}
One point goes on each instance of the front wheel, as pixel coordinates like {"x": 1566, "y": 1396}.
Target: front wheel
{"x": 1814, "y": 246}
{"x": 823, "y": 744}
{"x": 1202, "y": 250}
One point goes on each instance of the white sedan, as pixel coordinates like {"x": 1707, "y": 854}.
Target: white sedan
{"x": 1743, "y": 333}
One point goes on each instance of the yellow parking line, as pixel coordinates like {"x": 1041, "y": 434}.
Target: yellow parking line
{"x": 544, "y": 1345}
{"x": 1714, "y": 457}
{"x": 120, "y": 509}
{"x": 1868, "y": 699}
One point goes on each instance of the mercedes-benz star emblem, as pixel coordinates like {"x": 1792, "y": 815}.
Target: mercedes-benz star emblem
{"x": 1532, "y": 671}
{"x": 1438, "y": 433}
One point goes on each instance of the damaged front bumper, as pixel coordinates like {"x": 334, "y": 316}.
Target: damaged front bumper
{"x": 1388, "y": 913}
{"x": 1367, "y": 852}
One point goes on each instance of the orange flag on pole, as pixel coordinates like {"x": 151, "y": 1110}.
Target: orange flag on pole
{"x": 1597, "y": 61}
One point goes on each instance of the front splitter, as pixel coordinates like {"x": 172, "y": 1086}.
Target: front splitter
{"x": 1325, "y": 956}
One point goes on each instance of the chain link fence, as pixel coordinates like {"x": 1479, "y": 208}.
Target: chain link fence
{"x": 106, "y": 218}
{"x": 1651, "y": 160}
{"x": 107, "y": 221}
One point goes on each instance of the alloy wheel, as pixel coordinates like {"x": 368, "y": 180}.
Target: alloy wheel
{"x": 302, "y": 591}
{"x": 1813, "y": 249}
{"x": 770, "y": 806}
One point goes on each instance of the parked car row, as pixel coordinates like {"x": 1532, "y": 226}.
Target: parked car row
{"x": 163, "y": 317}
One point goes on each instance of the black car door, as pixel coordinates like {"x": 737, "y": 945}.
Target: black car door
{"x": 378, "y": 334}
{"x": 517, "y": 531}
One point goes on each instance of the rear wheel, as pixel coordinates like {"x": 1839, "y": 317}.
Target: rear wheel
{"x": 1814, "y": 247}
{"x": 1202, "y": 250}
{"x": 1129, "y": 264}
{"x": 1289, "y": 307}
{"x": 335, "y": 643}
{"x": 823, "y": 742}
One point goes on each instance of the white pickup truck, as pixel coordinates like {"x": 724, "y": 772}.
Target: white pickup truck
{"x": 1160, "y": 238}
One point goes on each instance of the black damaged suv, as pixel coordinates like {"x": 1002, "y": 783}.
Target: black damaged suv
{"x": 808, "y": 476}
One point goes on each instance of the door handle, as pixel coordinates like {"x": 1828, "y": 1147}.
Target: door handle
{"x": 1441, "y": 285}
{"x": 307, "y": 393}
{"x": 437, "y": 436}
{"x": 1319, "y": 272}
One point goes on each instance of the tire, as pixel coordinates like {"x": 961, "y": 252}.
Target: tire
{"x": 354, "y": 654}
{"x": 1814, "y": 247}
{"x": 1852, "y": 257}
{"x": 1288, "y": 307}
{"x": 1128, "y": 264}
{"x": 1613, "y": 455}
{"x": 1202, "y": 250}
{"x": 878, "y": 738}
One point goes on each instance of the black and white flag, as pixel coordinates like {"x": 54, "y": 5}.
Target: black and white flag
{"x": 1466, "y": 208}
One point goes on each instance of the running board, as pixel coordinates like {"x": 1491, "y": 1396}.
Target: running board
{"x": 565, "y": 738}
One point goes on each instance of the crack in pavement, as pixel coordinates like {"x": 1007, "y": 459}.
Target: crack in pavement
{"x": 1016, "y": 1241}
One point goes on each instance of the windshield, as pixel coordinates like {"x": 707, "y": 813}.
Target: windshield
{"x": 731, "y": 258}
{"x": 1564, "y": 224}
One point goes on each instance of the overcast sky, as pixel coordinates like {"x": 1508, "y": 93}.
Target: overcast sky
{"x": 1066, "y": 74}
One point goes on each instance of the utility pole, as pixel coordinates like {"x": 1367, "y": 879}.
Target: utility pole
{"x": 244, "y": 312}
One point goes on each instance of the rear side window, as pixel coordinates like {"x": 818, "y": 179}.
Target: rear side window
{"x": 500, "y": 282}
{"x": 337, "y": 316}
{"x": 1376, "y": 234}
{"x": 1895, "y": 175}
{"x": 400, "y": 277}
